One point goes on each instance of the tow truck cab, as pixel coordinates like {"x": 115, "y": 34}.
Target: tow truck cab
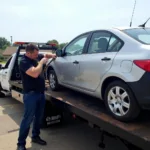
{"x": 10, "y": 71}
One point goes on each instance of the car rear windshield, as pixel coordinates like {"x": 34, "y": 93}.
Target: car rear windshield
{"x": 142, "y": 35}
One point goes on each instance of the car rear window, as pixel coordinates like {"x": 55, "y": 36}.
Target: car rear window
{"x": 142, "y": 35}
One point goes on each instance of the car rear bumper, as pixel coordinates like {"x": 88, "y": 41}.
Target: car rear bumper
{"x": 141, "y": 90}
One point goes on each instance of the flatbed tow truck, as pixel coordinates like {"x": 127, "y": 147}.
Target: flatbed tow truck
{"x": 135, "y": 135}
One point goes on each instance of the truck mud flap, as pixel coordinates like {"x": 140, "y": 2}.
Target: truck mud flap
{"x": 52, "y": 115}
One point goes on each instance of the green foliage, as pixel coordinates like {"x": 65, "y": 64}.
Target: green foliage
{"x": 1, "y": 57}
{"x": 54, "y": 42}
{"x": 62, "y": 45}
{"x": 4, "y": 43}
{"x": 58, "y": 45}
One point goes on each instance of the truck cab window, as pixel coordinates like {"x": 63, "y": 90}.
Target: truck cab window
{"x": 19, "y": 59}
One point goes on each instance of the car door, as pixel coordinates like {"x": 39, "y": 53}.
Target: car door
{"x": 69, "y": 63}
{"x": 5, "y": 73}
{"x": 102, "y": 49}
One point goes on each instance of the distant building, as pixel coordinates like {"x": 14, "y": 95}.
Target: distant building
{"x": 9, "y": 51}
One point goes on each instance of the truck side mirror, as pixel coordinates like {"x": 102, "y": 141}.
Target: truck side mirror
{"x": 2, "y": 67}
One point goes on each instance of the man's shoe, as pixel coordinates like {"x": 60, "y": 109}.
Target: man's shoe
{"x": 39, "y": 141}
{"x": 21, "y": 147}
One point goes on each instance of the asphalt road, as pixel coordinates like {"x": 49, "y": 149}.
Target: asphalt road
{"x": 72, "y": 135}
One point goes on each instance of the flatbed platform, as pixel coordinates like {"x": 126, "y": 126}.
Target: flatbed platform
{"x": 94, "y": 111}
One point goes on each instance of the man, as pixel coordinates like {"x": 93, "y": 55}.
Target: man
{"x": 34, "y": 98}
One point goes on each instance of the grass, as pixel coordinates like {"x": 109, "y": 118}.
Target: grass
{"x": 2, "y": 62}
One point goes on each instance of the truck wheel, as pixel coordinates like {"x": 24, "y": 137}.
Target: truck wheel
{"x": 121, "y": 102}
{"x": 53, "y": 82}
{"x": 1, "y": 94}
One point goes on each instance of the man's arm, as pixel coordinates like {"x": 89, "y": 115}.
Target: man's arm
{"x": 47, "y": 55}
{"x": 50, "y": 55}
{"x": 35, "y": 71}
{"x": 31, "y": 70}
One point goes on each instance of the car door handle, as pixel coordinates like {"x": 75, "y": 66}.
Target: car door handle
{"x": 106, "y": 59}
{"x": 76, "y": 62}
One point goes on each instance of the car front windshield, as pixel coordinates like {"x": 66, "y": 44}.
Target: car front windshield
{"x": 140, "y": 34}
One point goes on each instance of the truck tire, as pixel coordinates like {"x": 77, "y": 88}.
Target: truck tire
{"x": 120, "y": 101}
{"x": 1, "y": 94}
{"x": 53, "y": 81}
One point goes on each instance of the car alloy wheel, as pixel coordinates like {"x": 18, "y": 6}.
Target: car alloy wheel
{"x": 118, "y": 101}
{"x": 52, "y": 81}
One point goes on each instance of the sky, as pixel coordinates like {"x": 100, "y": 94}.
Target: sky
{"x": 63, "y": 20}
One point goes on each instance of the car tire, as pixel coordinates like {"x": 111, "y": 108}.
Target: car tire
{"x": 121, "y": 102}
{"x": 53, "y": 81}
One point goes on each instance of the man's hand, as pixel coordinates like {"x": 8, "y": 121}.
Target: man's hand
{"x": 44, "y": 60}
{"x": 50, "y": 55}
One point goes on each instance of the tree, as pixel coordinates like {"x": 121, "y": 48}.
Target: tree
{"x": 54, "y": 42}
{"x": 62, "y": 45}
{"x": 59, "y": 46}
{"x": 4, "y": 43}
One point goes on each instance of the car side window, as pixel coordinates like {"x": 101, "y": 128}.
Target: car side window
{"x": 114, "y": 44}
{"x": 76, "y": 47}
{"x": 8, "y": 62}
{"x": 99, "y": 42}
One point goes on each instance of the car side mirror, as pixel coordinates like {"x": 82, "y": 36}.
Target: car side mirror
{"x": 59, "y": 53}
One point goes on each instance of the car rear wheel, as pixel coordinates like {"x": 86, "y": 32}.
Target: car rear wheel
{"x": 53, "y": 82}
{"x": 121, "y": 102}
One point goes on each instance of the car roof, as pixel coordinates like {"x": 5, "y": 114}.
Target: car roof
{"x": 111, "y": 29}
{"x": 114, "y": 28}
{"x": 126, "y": 27}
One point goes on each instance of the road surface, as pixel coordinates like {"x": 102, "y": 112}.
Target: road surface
{"x": 72, "y": 135}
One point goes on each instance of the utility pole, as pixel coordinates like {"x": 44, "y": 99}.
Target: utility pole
{"x": 11, "y": 40}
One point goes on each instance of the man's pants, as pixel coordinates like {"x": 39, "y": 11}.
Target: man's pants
{"x": 34, "y": 104}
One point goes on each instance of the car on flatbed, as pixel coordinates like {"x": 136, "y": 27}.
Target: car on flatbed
{"x": 110, "y": 64}
{"x": 134, "y": 135}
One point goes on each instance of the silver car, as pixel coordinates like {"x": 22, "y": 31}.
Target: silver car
{"x": 110, "y": 64}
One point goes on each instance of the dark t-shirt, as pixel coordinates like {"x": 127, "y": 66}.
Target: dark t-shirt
{"x": 30, "y": 83}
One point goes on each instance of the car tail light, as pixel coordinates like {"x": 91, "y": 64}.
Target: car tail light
{"x": 143, "y": 64}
